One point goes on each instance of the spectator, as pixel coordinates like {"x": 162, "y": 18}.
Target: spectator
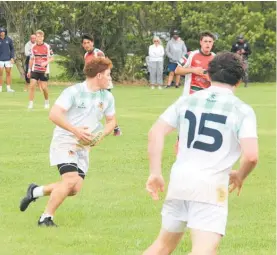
{"x": 242, "y": 48}
{"x": 6, "y": 58}
{"x": 156, "y": 54}
{"x": 28, "y": 53}
{"x": 175, "y": 49}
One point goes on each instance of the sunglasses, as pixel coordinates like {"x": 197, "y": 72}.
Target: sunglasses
{"x": 156, "y": 41}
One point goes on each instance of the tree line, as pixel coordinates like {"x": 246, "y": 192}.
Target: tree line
{"x": 121, "y": 28}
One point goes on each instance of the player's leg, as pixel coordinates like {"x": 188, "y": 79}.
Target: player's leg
{"x": 207, "y": 223}
{"x": 174, "y": 215}
{"x": 1, "y": 74}
{"x": 33, "y": 80}
{"x": 44, "y": 86}
{"x": 34, "y": 191}
{"x": 165, "y": 243}
{"x": 8, "y": 70}
{"x": 204, "y": 242}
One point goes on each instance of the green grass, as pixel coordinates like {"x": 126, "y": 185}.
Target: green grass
{"x": 113, "y": 214}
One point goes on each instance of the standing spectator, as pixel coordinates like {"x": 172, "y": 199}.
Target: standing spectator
{"x": 38, "y": 70}
{"x": 6, "y": 58}
{"x": 156, "y": 54}
{"x": 175, "y": 49}
{"x": 28, "y": 53}
{"x": 242, "y": 48}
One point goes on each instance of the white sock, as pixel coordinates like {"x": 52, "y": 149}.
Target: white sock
{"x": 38, "y": 192}
{"x": 8, "y": 87}
{"x": 45, "y": 215}
{"x": 46, "y": 101}
{"x": 31, "y": 102}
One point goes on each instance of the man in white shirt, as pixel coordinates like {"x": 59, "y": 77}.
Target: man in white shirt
{"x": 215, "y": 129}
{"x": 77, "y": 114}
{"x": 28, "y": 53}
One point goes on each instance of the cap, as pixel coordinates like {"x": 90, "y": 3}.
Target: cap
{"x": 175, "y": 32}
{"x": 2, "y": 29}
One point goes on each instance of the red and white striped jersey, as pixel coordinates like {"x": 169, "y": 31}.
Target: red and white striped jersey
{"x": 41, "y": 53}
{"x": 194, "y": 82}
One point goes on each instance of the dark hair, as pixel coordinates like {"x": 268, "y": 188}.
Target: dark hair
{"x": 88, "y": 37}
{"x": 206, "y": 33}
{"x": 97, "y": 65}
{"x": 226, "y": 67}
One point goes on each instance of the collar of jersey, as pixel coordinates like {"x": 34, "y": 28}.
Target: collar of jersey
{"x": 220, "y": 89}
{"x": 205, "y": 54}
{"x": 87, "y": 90}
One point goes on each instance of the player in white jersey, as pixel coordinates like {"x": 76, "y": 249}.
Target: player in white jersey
{"x": 77, "y": 113}
{"x": 215, "y": 128}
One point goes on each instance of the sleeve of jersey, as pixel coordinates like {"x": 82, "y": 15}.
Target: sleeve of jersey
{"x": 65, "y": 100}
{"x": 171, "y": 114}
{"x": 110, "y": 110}
{"x": 248, "y": 128}
{"x": 100, "y": 54}
{"x": 184, "y": 61}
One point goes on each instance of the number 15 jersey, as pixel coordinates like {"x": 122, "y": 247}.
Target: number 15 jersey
{"x": 210, "y": 124}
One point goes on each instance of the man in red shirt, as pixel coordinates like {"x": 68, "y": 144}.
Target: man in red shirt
{"x": 41, "y": 56}
{"x": 92, "y": 52}
{"x": 194, "y": 67}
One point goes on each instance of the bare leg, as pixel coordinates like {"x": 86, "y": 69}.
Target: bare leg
{"x": 71, "y": 183}
{"x": 32, "y": 89}
{"x": 170, "y": 78}
{"x": 165, "y": 243}
{"x": 204, "y": 243}
{"x": 44, "y": 87}
{"x": 178, "y": 77}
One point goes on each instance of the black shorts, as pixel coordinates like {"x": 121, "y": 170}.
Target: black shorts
{"x": 40, "y": 76}
{"x": 70, "y": 167}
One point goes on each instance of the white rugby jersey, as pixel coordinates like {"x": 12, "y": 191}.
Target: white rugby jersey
{"x": 210, "y": 124}
{"x": 84, "y": 109}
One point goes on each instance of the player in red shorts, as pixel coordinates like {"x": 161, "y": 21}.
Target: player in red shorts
{"x": 194, "y": 66}
{"x": 92, "y": 52}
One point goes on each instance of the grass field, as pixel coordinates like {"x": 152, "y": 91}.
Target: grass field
{"x": 113, "y": 215}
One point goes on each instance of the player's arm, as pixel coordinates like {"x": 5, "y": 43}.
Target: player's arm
{"x": 58, "y": 116}
{"x": 31, "y": 62}
{"x": 110, "y": 116}
{"x": 247, "y": 136}
{"x": 156, "y": 137}
{"x": 109, "y": 125}
{"x": 165, "y": 125}
{"x": 249, "y": 158}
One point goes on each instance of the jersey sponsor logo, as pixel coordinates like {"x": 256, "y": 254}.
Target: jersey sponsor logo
{"x": 81, "y": 106}
{"x": 101, "y": 106}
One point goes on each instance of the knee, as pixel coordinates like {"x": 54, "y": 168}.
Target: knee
{"x": 70, "y": 185}
{"x": 75, "y": 190}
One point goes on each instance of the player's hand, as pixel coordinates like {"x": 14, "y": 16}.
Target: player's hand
{"x": 12, "y": 61}
{"x": 83, "y": 135}
{"x": 198, "y": 70}
{"x": 154, "y": 185}
{"x": 235, "y": 182}
{"x": 44, "y": 64}
{"x": 29, "y": 75}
